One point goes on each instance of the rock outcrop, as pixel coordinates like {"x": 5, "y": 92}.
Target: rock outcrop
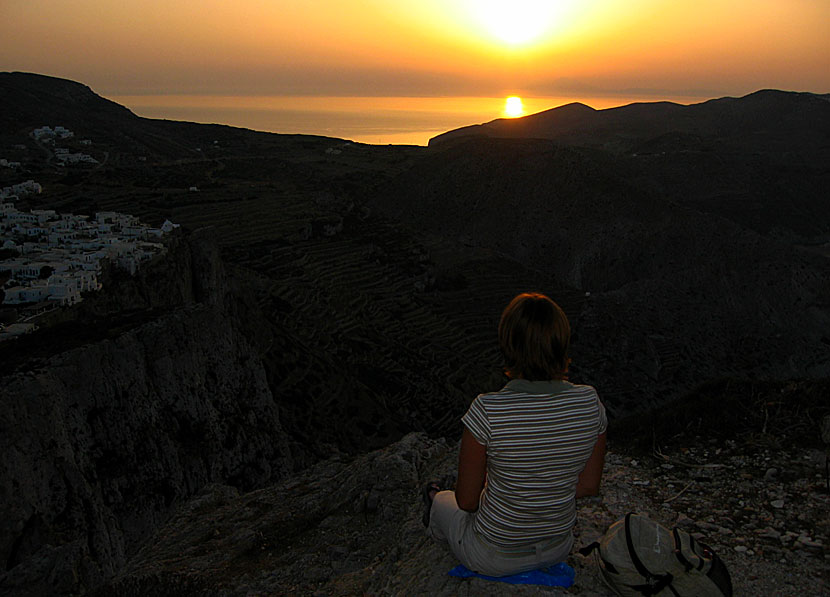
{"x": 100, "y": 442}
{"x": 354, "y": 527}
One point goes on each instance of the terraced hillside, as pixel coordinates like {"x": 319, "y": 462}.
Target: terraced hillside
{"x": 367, "y": 331}
{"x": 676, "y": 296}
{"x": 370, "y": 337}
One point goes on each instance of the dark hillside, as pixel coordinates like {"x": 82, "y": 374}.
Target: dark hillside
{"x": 676, "y": 295}
{"x": 27, "y": 98}
{"x": 771, "y": 118}
{"x": 761, "y": 160}
{"x": 31, "y": 100}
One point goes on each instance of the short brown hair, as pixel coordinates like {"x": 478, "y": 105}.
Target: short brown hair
{"x": 534, "y": 337}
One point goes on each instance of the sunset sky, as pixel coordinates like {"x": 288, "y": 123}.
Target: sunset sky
{"x": 423, "y": 48}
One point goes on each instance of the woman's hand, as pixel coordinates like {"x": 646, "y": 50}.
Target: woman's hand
{"x": 472, "y": 471}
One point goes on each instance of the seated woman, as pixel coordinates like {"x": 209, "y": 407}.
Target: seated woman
{"x": 527, "y": 452}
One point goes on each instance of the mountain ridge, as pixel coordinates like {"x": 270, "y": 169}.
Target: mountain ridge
{"x": 26, "y": 94}
{"x": 641, "y": 120}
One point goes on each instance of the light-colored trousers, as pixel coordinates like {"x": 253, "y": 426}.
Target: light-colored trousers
{"x": 449, "y": 523}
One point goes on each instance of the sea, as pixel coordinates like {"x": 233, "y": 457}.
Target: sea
{"x": 373, "y": 120}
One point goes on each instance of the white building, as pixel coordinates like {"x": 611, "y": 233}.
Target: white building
{"x": 27, "y": 269}
{"x": 16, "y": 329}
{"x": 22, "y": 217}
{"x": 64, "y": 289}
{"x": 43, "y": 132}
{"x": 133, "y": 231}
{"x": 22, "y": 188}
{"x": 106, "y": 217}
{"x": 168, "y": 226}
{"x": 44, "y": 215}
{"x": 76, "y": 158}
{"x": 59, "y": 238}
{"x": 33, "y": 293}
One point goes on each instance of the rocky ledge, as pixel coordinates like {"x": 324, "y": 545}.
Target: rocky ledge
{"x": 353, "y": 527}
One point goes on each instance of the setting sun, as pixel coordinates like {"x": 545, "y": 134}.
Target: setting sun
{"x": 513, "y": 107}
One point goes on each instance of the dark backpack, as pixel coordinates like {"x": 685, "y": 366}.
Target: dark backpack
{"x": 638, "y": 556}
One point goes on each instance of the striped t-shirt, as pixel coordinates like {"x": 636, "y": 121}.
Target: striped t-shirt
{"x": 538, "y": 435}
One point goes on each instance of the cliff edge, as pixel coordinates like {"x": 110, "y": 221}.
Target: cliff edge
{"x": 354, "y": 527}
{"x": 100, "y": 442}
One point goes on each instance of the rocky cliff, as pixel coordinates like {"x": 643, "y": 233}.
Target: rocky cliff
{"x": 101, "y": 441}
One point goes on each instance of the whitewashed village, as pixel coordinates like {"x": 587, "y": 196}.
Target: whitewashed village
{"x": 49, "y": 260}
{"x": 47, "y": 136}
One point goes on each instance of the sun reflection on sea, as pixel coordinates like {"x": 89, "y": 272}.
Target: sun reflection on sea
{"x": 377, "y": 120}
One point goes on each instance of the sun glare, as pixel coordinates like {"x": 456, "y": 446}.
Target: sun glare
{"x": 513, "y": 107}
{"x": 519, "y": 22}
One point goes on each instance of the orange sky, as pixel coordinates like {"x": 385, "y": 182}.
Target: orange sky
{"x": 659, "y": 48}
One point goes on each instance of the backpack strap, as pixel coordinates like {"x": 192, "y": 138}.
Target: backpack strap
{"x": 588, "y": 548}
{"x": 678, "y": 550}
{"x": 700, "y": 560}
{"x": 654, "y": 582}
{"x": 586, "y": 551}
{"x": 632, "y": 552}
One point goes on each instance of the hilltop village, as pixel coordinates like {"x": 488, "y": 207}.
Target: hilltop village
{"x": 49, "y": 259}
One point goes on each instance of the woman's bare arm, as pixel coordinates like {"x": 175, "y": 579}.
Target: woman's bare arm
{"x": 472, "y": 471}
{"x": 591, "y": 475}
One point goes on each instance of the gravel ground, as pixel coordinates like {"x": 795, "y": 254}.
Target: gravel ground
{"x": 766, "y": 512}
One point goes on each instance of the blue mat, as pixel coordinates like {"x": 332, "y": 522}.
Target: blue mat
{"x": 560, "y": 575}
